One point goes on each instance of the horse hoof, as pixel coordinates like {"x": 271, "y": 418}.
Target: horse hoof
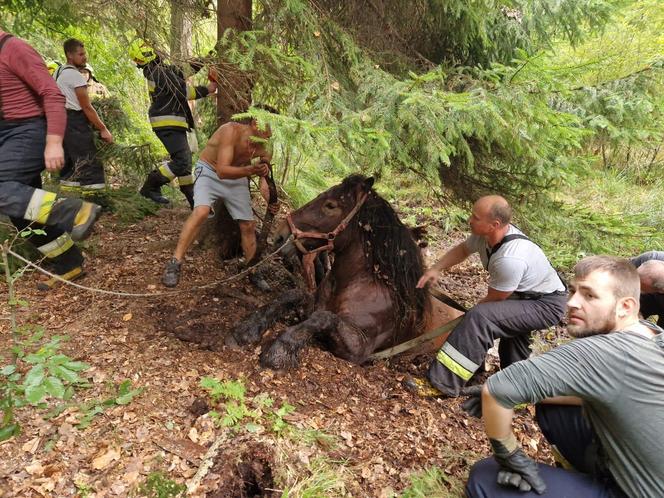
{"x": 278, "y": 357}
{"x": 247, "y": 332}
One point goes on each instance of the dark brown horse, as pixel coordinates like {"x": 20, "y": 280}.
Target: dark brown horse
{"x": 367, "y": 301}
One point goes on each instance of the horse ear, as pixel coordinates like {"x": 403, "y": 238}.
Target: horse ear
{"x": 368, "y": 183}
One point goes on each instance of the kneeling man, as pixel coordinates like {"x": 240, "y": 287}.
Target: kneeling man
{"x": 235, "y": 152}
{"x": 614, "y": 370}
{"x": 525, "y": 294}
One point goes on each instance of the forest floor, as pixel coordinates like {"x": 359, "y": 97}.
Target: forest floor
{"x": 352, "y": 430}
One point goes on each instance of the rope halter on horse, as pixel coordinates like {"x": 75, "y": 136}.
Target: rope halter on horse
{"x": 308, "y": 255}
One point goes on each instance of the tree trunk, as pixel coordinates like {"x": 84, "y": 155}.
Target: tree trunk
{"x": 233, "y": 96}
{"x": 234, "y": 93}
{"x": 180, "y": 39}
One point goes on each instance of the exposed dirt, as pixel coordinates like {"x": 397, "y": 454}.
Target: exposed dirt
{"x": 381, "y": 434}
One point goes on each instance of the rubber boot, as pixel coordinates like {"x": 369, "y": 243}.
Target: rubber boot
{"x": 74, "y": 216}
{"x": 68, "y": 266}
{"x": 70, "y": 276}
{"x": 151, "y": 189}
{"x": 188, "y": 191}
{"x": 421, "y": 387}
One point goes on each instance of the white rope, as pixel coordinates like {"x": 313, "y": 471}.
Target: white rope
{"x": 148, "y": 294}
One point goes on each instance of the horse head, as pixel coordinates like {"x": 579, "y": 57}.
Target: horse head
{"x": 319, "y": 225}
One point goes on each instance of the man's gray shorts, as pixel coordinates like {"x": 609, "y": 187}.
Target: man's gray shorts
{"x": 208, "y": 187}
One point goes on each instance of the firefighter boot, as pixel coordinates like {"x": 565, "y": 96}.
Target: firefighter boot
{"x": 74, "y": 216}
{"x": 71, "y": 275}
{"x": 152, "y": 187}
{"x": 188, "y": 191}
{"x": 421, "y": 387}
{"x": 84, "y": 221}
{"x": 67, "y": 265}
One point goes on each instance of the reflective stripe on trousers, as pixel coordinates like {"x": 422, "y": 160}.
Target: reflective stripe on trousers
{"x": 56, "y": 247}
{"x": 40, "y": 205}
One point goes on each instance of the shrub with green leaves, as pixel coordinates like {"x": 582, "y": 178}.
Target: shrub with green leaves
{"x": 38, "y": 374}
{"x": 240, "y": 412}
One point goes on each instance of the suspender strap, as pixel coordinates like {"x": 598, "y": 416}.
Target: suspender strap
{"x": 506, "y": 239}
{"x": 2, "y": 44}
{"x": 58, "y": 71}
{"x": 515, "y": 236}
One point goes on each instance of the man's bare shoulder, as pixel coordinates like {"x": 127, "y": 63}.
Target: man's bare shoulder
{"x": 227, "y": 132}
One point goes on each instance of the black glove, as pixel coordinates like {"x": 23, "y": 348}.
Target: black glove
{"x": 516, "y": 468}
{"x": 473, "y": 405}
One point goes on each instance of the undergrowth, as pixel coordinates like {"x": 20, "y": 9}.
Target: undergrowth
{"x": 433, "y": 483}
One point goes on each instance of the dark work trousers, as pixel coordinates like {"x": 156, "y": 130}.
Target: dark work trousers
{"x": 512, "y": 321}
{"x": 653, "y": 304}
{"x": 571, "y": 434}
{"x": 83, "y": 167}
{"x": 177, "y": 146}
{"x": 21, "y": 163}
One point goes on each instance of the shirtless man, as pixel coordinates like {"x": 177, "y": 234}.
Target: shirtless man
{"x": 236, "y": 151}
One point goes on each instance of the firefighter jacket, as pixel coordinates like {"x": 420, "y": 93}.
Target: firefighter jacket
{"x": 169, "y": 93}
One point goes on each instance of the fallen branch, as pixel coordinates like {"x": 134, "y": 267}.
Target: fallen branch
{"x": 208, "y": 460}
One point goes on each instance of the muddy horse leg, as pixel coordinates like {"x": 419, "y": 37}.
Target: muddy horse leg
{"x": 250, "y": 330}
{"x": 341, "y": 338}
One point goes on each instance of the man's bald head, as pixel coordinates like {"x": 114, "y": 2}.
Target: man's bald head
{"x": 490, "y": 217}
{"x": 651, "y": 275}
{"x": 496, "y": 208}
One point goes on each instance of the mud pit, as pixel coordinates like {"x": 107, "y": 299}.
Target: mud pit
{"x": 355, "y": 422}
{"x": 245, "y": 473}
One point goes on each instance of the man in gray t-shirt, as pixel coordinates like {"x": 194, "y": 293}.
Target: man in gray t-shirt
{"x": 83, "y": 172}
{"x": 650, "y": 266}
{"x": 614, "y": 370}
{"x": 525, "y": 294}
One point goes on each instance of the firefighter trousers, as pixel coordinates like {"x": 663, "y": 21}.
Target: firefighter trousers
{"x": 512, "y": 321}
{"x": 26, "y": 204}
{"x": 175, "y": 142}
{"x": 570, "y": 434}
{"x": 83, "y": 171}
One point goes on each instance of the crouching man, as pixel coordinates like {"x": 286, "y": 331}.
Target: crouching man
{"x": 600, "y": 399}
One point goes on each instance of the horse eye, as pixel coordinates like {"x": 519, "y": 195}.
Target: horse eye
{"x": 330, "y": 205}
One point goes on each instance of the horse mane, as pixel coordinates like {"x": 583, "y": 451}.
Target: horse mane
{"x": 393, "y": 256}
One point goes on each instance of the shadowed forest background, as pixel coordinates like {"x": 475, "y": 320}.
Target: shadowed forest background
{"x": 555, "y": 105}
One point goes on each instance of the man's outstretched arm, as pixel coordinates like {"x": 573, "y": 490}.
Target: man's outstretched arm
{"x": 516, "y": 468}
{"x": 451, "y": 258}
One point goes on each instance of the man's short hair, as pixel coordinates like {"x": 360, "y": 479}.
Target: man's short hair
{"x": 626, "y": 281}
{"x": 653, "y": 270}
{"x": 501, "y": 211}
{"x": 72, "y": 45}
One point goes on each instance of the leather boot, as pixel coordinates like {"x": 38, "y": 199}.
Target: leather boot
{"x": 188, "y": 191}
{"x": 152, "y": 187}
